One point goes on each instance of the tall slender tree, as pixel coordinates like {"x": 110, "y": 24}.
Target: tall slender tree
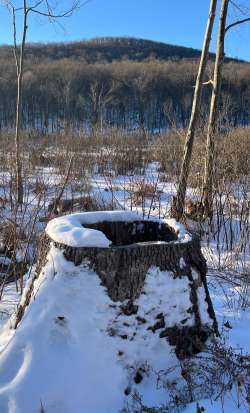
{"x": 43, "y": 8}
{"x": 209, "y": 160}
{"x": 214, "y": 103}
{"x": 178, "y": 204}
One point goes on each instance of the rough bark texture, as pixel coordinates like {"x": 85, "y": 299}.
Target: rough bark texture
{"x": 123, "y": 268}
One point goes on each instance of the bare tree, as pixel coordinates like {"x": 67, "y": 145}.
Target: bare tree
{"x": 213, "y": 115}
{"x": 43, "y": 8}
{"x": 178, "y": 204}
{"x": 100, "y": 94}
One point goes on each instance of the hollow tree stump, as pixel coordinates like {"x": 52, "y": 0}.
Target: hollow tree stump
{"x": 129, "y": 247}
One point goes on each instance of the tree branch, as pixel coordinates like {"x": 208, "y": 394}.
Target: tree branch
{"x": 209, "y": 82}
{"x": 240, "y": 8}
{"x": 50, "y": 13}
{"x": 15, "y": 51}
{"x": 236, "y": 23}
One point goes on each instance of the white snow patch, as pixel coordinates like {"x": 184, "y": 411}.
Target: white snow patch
{"x": 202, "y": 303}
{"x": 5, "y": 260}
{"x": 180, "y": 230}
{"x": 182, "y": 263}
{"x": 173, "y": 294}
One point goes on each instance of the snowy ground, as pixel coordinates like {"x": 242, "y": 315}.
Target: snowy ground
{"x": 73, "y": 335}
{"x": 105, "y": 358}
{"x": 74, "y": 341}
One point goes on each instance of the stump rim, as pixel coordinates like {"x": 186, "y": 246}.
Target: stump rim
{"x": 76, "y": 221}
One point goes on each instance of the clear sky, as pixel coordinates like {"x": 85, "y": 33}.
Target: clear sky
{"x": 180, "y": 22}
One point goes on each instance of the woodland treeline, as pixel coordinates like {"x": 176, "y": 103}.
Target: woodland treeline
{"x": 134, "y": 89}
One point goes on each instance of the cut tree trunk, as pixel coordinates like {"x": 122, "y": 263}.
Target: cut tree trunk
{"x": 136, "y": 247}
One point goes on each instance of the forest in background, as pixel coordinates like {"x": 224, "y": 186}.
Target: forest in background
{"x": 116, "y": 82}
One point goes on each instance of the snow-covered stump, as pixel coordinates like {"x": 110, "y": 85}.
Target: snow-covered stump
{"x": 122, "y": 248}
{"x": 111, "y": 294}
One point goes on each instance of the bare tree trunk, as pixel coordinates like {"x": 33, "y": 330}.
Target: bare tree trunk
{"x": 178, "y": 205}
{"x": 209, "y": 161}
{"x": 41, "y": 8}
{"x": 19, "y": 68}
{"x": 18, "y": 165}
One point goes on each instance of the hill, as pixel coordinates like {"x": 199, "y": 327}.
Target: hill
{"x": 107, "y": 49}
{"x": 118, "y": 82}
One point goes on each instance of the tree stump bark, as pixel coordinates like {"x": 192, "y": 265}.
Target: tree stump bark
{"x": 136, "y": 247}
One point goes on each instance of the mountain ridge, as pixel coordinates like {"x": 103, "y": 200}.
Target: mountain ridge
{"x": 109, "y": 49}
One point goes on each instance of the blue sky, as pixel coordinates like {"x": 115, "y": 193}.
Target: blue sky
{"x": 179, "y": 22}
